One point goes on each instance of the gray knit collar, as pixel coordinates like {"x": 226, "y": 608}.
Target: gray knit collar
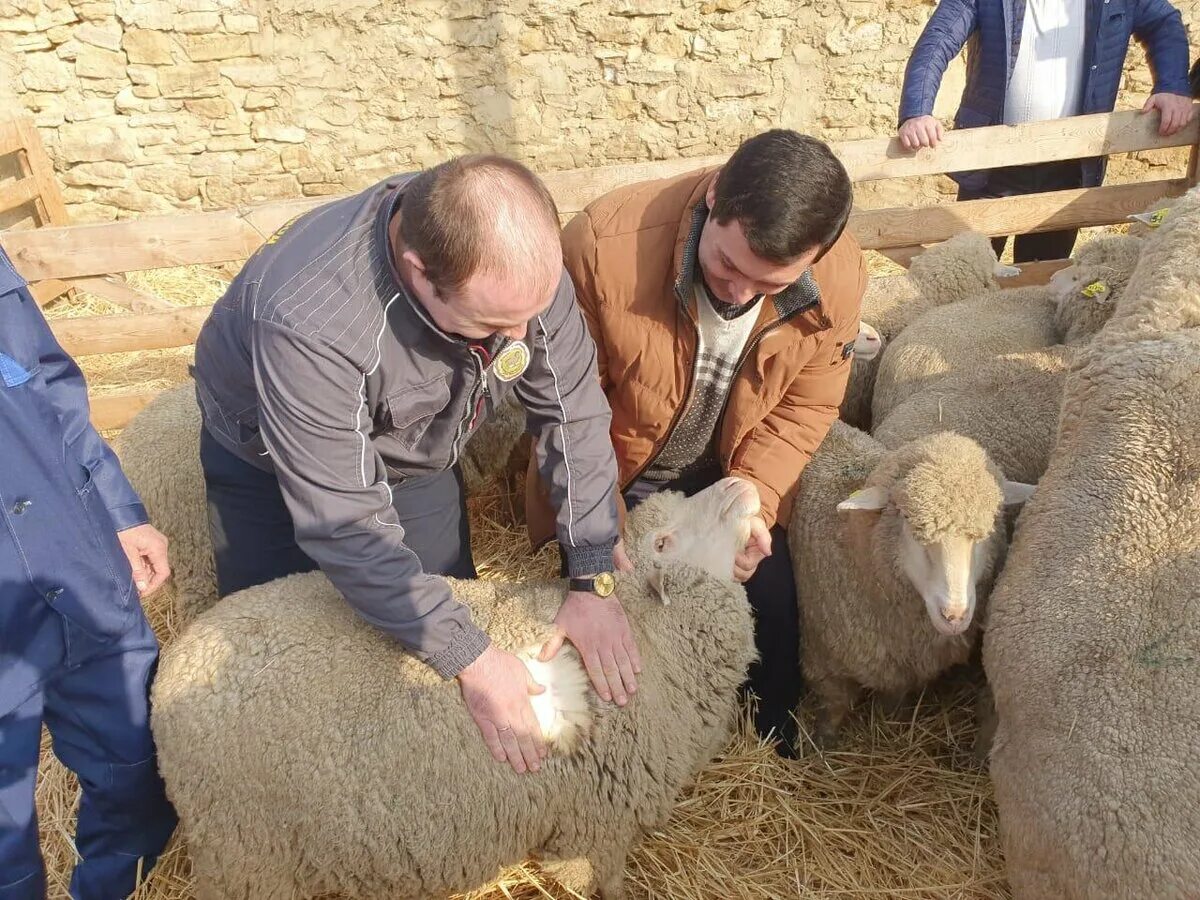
{"x": 802, "y": 294}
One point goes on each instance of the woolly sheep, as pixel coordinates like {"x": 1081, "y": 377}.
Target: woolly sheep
{"x": 1071, "y": 308}
{"x": 1008, "y": 405}
{"x": 1164, "y": 290}
{"x": 1088, "y": 290}
{"x": 499, "y": 446}
{"x": 1091, "y": 645}
{"x": 160, "y": 453}
{"x": 891, "y": 549}
{"x": 306, "y": 753}
{"x": 961, "y": 267}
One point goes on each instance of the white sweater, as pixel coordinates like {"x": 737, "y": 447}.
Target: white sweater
{"x": 1047, "y": 79}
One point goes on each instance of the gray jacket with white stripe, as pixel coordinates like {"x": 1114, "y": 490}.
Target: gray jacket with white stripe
{"x": 319, "y": 366}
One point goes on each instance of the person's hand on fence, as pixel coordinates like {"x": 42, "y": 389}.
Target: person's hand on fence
{"x": 921, "y": 131}
{"x": 1176, "y": 111}
{"x": 496, "y": 688}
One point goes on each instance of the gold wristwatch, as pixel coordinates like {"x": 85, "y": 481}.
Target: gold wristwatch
{"x": 602, "y": 585}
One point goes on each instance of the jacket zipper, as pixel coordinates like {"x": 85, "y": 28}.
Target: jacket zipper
{"x": 474, "y": 405}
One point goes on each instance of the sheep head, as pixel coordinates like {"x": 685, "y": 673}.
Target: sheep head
{"x": 961, "y": 267}
{"x": 706, "y": 530}
{"x": 868, "y": 344}
{"x": 938, "y": 503}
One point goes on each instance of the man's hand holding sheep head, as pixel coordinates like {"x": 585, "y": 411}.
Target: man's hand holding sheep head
{"x": 598, "y": 628}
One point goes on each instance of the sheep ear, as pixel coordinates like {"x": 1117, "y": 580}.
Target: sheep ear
{"x": 871, "y": 498}
{"x": 1003, "y": 271}
{"x": 1016, "y": 492}
{"x": 658, "y": 584}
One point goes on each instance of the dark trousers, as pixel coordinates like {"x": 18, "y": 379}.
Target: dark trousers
{"x": 93, "y": 697}
{"x": 254, "y": 539}
{"x": 775, "y": 678}
{"x": 1015, "y": 181}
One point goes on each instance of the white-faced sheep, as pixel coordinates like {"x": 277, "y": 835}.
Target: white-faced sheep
{"x": 891, "y": 549}
{"x": 160, "y": 453}
{"x": 961, "y": 267}
{"x": 1088, "y": 290}
{"x": 307, "y": 753}
{"x": 1093, "y": 640}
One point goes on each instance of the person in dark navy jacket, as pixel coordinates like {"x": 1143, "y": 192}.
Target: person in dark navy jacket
{"x": 76, "y": 651}
{"x": 1035, "y": 60}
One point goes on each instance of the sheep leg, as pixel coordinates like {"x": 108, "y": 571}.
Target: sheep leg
{"x": 837, "y": 697}
{"x": 891, "y": 703}
{"x": 986, "y": 721}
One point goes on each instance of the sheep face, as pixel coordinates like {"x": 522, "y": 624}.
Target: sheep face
{"x": 938, "y": 503}
{"x": 706, "y": 530}
{"x": 868, "y": 344}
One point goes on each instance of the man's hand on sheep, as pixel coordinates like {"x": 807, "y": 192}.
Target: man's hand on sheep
{"x": 496, "y": 688}
{"x": 600, "y": 632}
{"x": 757, "y": 548}
{"x": 146, "y": 548}
{"x": 921, "y": 131}
{"x": 1176, "y": 109}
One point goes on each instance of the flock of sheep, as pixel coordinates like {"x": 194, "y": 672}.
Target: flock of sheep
{"x": 306, "y": 754}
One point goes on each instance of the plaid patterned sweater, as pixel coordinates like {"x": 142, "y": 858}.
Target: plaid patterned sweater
{"x": 724, "y": 330}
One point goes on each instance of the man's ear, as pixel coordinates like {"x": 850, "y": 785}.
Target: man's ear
{"x": 710, "y": 196}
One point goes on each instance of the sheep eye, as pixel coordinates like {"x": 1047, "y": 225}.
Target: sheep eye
{"x": 660, "y": 544}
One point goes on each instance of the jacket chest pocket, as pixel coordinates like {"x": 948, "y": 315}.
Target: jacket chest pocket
{"x": 413, "y": 409}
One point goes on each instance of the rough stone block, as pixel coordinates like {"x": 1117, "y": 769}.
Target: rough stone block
{"x": 93, "y": 142}
{"x": 96, "y": 174}
{"x": 238, "y": 23}
{"x": 256, "y": 100}
{"x": 190, "y": 80}
{"x": 106, "y": 37}
{"x": 252, "y": 74}
{"x": 288, "y": 134}
{"x": 45, "y": 72}
{"x": 209, "y": 47}
{"x": 152, "y": 48}
{"x": 96, "y": 62}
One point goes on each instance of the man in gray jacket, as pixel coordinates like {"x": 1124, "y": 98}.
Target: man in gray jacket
{"x": 339, "y": 378}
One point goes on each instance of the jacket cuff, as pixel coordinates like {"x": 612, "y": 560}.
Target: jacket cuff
{"x": 583, "y": 561}
{"x": 464, "y": 648}
{"x": 907, "y": 113}
{"x": 1183, "y": 87}
{"x": 130, "y": 515}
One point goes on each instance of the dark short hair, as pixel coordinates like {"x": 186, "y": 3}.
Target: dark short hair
{"x": 788, "y": 191}
{"x": 450, "y": 215}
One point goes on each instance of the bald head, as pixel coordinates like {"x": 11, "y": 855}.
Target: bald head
{"x": 483, "y": 215}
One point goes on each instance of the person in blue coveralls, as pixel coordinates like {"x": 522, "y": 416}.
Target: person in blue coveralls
{"x": 76, "y": 651}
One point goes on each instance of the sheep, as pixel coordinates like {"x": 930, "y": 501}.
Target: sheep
{"x": 1071, "y": 308}
{"x": 891, "y": 549}
{"x": 160, "y": 453}
{"x": 500, "y": 446}
{"x": 307, "y": 753}
{"x": 1008, "y": 405}
{"x": 1091, "y": 645}
{"x": 961, "y": 267}
{"x": 1164, "y": 290}
{"x": 1088, "y": 289}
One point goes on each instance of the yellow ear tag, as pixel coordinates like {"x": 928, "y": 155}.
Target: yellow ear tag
{"x": 512, "y": 361}
{"x": 1156, "y": 217}
{"x": 1095, "y": 289}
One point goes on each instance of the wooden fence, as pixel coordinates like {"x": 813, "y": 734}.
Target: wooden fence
{"x": 91, "y": 251}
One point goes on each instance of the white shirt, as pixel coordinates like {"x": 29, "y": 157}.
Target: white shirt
{"x": 1047, "y": 77}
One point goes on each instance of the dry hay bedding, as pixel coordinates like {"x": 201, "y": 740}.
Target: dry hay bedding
{"x": 898, "y": 812}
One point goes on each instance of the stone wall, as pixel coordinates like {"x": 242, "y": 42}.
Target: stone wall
{"x": 152, "y": 105}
